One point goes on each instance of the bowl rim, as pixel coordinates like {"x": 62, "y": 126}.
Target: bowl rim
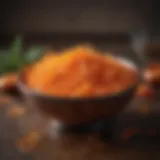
{"x": 25, "y": 89}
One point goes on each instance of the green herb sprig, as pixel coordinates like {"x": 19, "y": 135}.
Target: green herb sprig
{"x": 13, "y": 59}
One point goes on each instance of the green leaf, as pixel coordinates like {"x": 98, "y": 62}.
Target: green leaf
{"x": 13, "y": 59}
{"x": 15, "y": 51}
{"x": 4, "y": 56}
{"x": 5, "y": 65}
{"x": 34, "y": 54}
{"x": 10, "y": 59}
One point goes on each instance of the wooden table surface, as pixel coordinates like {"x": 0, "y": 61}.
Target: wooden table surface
{"x": 25, "y": 135}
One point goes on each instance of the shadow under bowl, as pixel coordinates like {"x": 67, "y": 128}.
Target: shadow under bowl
{"x": 77, "y": 110}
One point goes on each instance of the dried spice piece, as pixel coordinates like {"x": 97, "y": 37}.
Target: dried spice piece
{"x": 152, "y": 73}
{"x": 80, "y": 72}
{"x": 8, "y": 81}
{"x": 130, "y": 132}
{"x": 145, "y": 90}
{"x": 5, "y": 99}
{"x": 16, "y": 111}
{"x": 28, "y": 142}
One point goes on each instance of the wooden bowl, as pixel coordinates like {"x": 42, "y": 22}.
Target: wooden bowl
{"x": 78, "y": 110}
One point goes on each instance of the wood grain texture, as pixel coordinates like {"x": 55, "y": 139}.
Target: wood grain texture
{"x": 18, "y": 142}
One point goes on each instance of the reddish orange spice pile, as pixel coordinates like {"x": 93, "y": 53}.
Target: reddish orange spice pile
{"x": 79, "y": 72}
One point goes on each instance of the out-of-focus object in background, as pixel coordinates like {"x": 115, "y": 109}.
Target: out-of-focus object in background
{"x": 152, "y": 73}
{"x": 28, "y": 142}
{"x": 145, "y": 90}
{"x": 16, "y": 111}
{"x": 12, "y": 60}
{"x": 8, "y": 82}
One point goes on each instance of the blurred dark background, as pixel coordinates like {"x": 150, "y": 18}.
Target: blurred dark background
{"x": 41, "y": 19}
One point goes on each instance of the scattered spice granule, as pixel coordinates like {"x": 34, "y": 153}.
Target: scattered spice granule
{"x": 145, "y": 90}
{"x": 16, "y": 111}
{"x": 28, "y": 142}
{"x": 152, "y": 73}
{"x": 5, "y": 99}
{"x": 8, "y": 81}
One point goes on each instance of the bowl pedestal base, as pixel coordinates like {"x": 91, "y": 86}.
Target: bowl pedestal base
{"x": 104, "y": 126}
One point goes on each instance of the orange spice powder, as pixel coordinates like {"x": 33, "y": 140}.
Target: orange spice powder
{"x": 79, "y": 72}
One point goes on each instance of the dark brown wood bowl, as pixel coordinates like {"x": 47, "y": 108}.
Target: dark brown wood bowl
{"x": 77, "y": 110}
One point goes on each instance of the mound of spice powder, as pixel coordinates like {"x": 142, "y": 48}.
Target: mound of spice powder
{"x": 80, "y": 72}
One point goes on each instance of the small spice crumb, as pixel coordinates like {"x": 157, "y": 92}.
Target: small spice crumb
{"x": 5, "y": 99}
{"x": 16, "y": 111}
{"x": 8, "y": 81}
{"x": 28, "y": 142}
{"x": 152, "y": 73}
{"x": 145, "y": 90}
